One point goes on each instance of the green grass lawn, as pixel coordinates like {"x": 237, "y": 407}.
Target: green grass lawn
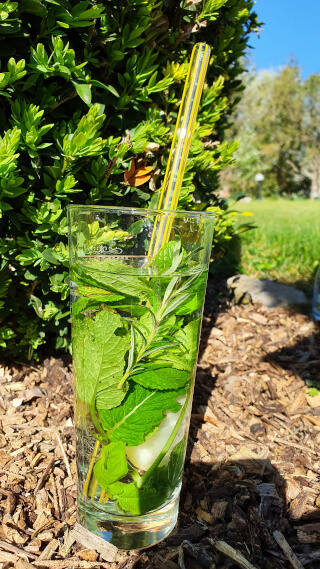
{"x": 286, "y": 244}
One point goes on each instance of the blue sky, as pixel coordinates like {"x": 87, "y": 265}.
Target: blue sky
{"x": 291, "y": 29}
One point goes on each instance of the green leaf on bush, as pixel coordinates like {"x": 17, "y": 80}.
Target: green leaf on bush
{"x": 49, "y": 256}
{"x": 84, "y": 91}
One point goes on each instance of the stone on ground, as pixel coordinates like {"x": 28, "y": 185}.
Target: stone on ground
{"x": 271, "y": 294}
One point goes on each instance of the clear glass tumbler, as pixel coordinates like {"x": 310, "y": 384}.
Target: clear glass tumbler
{"x": 135, "y": 332}
{"x": 316, "y": 296}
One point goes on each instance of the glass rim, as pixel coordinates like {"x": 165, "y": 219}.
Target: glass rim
{"x": 142, "y": 211}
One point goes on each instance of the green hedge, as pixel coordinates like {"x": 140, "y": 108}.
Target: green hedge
{"x": 85, "y": 88}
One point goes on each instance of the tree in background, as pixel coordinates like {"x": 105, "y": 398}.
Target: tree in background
{"x": 278, "y": 123}
{"x": 312, "y": 132}
{"x": 90, "y": 93}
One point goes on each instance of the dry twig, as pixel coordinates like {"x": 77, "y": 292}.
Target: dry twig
{"x": 44, "y": 476}
{"x": 282, "y": 542}
{"x": 65, "y": 458}
{"x": 235, "y": 555}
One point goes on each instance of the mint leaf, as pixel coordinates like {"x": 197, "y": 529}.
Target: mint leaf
{"x": 159, "y": 487}
{"x": 114, "y": 276}
{"x": 161, "y": 378}
{"x": 189, "y": 337}
{"x": 191, "y": 304}
{"x": 140, "y": 500}
{"x": 195, "y": 301}
{"x": 99, "y": 348}
{"x": 94, "y": 302}
{"x": 141, "y": 411}
{"x": 112, "y": 465}
{"x": 131, "y": 309}
{"x": 176, "y": 360}
{"x": 84, "y": 290}
{"x": 183, "y": 354}
{"x": 170, "y": 474}
{"x": 166, "y": 257}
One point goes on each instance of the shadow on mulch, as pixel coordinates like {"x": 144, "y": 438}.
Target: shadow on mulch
{"x": 303, "y": 358}
{"x": 242, "y": 506}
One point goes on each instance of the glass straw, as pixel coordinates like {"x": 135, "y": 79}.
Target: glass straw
{"x": 180, "y": 145}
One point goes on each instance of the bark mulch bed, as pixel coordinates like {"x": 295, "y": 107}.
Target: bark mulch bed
{"x": 251, "y": 494}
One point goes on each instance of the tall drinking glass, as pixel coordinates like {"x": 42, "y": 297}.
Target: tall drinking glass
{"x": 135, "y": 332}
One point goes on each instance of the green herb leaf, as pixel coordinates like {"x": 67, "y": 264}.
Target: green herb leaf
{"x": 166, "y": 257}
{"x": 159, "y": 487}
{"x": 141, "y": 411}
{"x": 177, "y": 360}
{"x": 112, "y": 465}
{"x": 99, "y": 348}
{"x": 92, "y": 291}
{"x": 169, "y": 475}
{"x": 113, "y": 276}
{"x": 189, "y": 337}
{"x": 161, "y": 378}
{"x": 139, "y": 500}
{"x": 195, "y": 301}
{"x": 177, "y": 301}
{"x": 96, "y": 302}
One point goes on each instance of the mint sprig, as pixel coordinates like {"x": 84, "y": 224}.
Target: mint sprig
{"x": 135, "y": 342}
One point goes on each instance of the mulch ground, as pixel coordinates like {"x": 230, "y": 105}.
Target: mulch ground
{"x": 251, "y": 493}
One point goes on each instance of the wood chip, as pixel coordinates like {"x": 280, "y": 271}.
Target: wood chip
{"x": 71, "y": 563}
{"x": 49, "y": 550}
{"x": 88, "y": 554}
{"x": 313, "y": 401}
{"x": 313, "y": 420}
{"x": 16, "y": 550}
{"x": 11, "y": 530}
{"x": 44, "y": 476}
{"x": 6, "y": 557}
{"x": 68, "y": 541}
{"x": 107, "y": 551}
{"x": 14, "y": 474}
{"x": 205, "y": 516}
{"x": 309, "y": 533}
{"x": 281, "y": 441}
{"x": 22, "y": 564}
{"x": 204, "y": 417}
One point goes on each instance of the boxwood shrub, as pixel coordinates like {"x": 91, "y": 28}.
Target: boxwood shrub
{"x": 89, "y": 90}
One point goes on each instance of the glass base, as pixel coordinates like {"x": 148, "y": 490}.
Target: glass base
{"x": 128, "y": 532}
{"x": 316, "y": 314}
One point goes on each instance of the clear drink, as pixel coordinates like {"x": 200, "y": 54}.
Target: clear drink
{"x": 135, "y": 334}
